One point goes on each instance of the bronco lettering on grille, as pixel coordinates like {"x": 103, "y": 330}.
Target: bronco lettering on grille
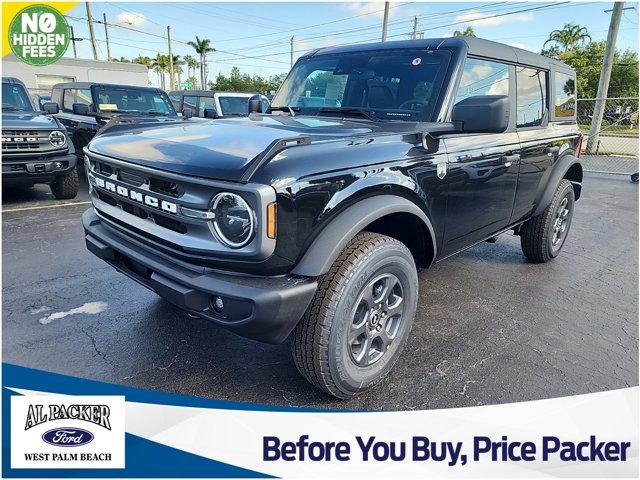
{"x": 140, "y": 197}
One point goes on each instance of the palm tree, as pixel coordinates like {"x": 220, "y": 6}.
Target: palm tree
{"x": 192, "y": 64}
{"x": 569, "y": 36}
{"x": 467, "y": 32}
{"x": 177, "y": 67}
{"x": 160, "y": 65}
{"x": 143, "y": 60}
{"x": 202, "y": 47}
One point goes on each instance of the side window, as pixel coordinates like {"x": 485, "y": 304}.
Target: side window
{"x": 190, "y": 102}
{"x": 206, "y": 102}
{"x": 531, "y": 97}
{"x": 565, "y": 95}
{"x": 76, "y": 95}
{"x": 265, "y": 105}
{"x": 175, "y": 99}
{"x": 482, "y": 77}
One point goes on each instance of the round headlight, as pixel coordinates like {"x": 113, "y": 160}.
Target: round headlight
{"x": 234, "y": 221}
{"x": 57, "y": 138}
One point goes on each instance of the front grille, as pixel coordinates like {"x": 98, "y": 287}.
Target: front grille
{"x": 18, "y": 168}
{"x": 20, "y": 141}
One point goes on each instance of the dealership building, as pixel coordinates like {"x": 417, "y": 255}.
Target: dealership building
{"x": 40, "y": 79}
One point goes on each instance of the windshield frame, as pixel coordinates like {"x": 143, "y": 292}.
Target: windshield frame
{"x": 430, "y": 113}
{"x": 96, "y": 89}
{"x": 23, "y": 93}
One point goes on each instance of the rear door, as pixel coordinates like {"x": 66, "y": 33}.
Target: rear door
{"x": 539, "y": 150}
{"x": 482, "y": 171}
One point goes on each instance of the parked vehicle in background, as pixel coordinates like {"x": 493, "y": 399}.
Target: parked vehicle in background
{"x": 35, "y": 145}
{"x": 40, "y": 99}
{"x": 210, "y": 104}
{"x": 86, "y": 107}
{"x": 312, "y": 221}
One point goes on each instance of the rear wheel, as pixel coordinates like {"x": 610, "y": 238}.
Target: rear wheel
{"x": 360, "y": 318}
{"x": 543, "y": 236}
{"x": 65, "y": 186}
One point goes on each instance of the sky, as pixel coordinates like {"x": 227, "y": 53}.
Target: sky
{"x": 255, "y": 36}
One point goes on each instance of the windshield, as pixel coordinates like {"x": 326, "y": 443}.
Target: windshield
{"x": 388, "y": 84}
{"x": 122, "y": 100}
{"x": 14, "y": 97}
{"x": 234, "y": 105}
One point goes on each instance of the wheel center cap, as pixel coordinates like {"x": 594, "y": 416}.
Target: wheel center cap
{"x": 375, "y": 318}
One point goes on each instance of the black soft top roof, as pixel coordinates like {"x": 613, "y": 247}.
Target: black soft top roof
{"x": 476, "y": 46}
{"x": 106, "y": 85}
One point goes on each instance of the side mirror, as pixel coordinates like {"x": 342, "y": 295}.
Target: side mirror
{"x": 210, "y": 113}
{"x": 80, "y": 109}
{"x": 187, "y": 113}
{"x": 482, "y": 114}
{"x": 255, "y": 104}
{"x": 50, "y": 107}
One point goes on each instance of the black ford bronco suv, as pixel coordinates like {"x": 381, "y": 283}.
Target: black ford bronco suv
{"x": 35, "y": 146}
{"x": 311, "y": 220}
{"x": 86, "y": 107}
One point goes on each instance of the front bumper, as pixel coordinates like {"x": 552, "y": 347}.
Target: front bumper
{"x": 262, "y": 308}
{"x": 30, "y": 170}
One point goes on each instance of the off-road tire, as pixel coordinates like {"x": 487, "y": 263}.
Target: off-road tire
{"x": 536, "y": 233}
{"x": 65, "y": 186}
{"x": 320, "y": 344}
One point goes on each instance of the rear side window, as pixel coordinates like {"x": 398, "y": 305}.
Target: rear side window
{"x": 76, "y": 95}
{"x": 565, "y": 95}
{"x": 482, "y": 77}
{"x": 531, "y": 96}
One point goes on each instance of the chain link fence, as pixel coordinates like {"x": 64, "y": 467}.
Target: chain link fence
{"x": 616, "y": 147}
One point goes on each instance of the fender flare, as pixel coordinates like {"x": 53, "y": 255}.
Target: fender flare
{"x": 326, "y": 247}
{"x": 559, "y": 171}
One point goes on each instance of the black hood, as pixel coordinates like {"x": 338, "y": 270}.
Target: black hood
{"x": 224, "y": 148}
{"x": 28, "y": 120}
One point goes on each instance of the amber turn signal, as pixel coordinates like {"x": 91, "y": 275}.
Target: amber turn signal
{"x": 272, "y": 217}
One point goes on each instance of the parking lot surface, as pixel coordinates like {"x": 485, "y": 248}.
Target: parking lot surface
{"x": 491, "y": 327}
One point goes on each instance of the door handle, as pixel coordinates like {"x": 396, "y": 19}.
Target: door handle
{"x": 508, "y": 160}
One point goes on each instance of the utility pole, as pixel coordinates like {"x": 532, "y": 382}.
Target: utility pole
{"x": 414, "y": 35}
{"x": 605, "y": 77}
{"x": 73, "y": 41}
{"x": 291, "y": 61}
{"x": 106, "y": 35}
{"x": 170, "y": 59}
{"x": 385, "y": 21}
{"x": 94, "y": 46}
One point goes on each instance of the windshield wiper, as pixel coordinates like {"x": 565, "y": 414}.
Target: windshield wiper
{"x": 350, "y": 111}
{"x": 292, "y": 110}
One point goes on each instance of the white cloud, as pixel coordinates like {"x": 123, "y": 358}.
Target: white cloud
{"x": 519, "y": 45}
{"x": 370, "y": 9}
{"x": 473, "y": 17}
{"x": 131, "y": 19}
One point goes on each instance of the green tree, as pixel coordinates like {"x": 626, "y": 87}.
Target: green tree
{"x": 160, "y": 65}
{"x": 467, "y": 32}
{"x": 569, "y": 36}
{"x": 202, "y": 47}
{"x": 192, "y": 64}
{"x": 237, "y": 81}
{"x": 587, "y": 61}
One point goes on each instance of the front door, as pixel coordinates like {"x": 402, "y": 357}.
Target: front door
{"x": 482, "y": 175}
{"x": 482, "y": 169}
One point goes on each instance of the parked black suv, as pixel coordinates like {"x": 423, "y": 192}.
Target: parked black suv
{"x": 85, "y": 107}
{"x": 35, "y": 146}
{"x": 312, "y": 221}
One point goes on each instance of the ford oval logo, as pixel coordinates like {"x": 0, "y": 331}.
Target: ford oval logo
{"x": 67, "y": 437}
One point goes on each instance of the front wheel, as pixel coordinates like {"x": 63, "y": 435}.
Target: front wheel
{"x": 360, "y": 318}
{"x": 543, "y": 236}
{"x": 65, "y": 186}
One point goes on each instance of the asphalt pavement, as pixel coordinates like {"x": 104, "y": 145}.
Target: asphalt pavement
{"x": 491, "y": 327}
